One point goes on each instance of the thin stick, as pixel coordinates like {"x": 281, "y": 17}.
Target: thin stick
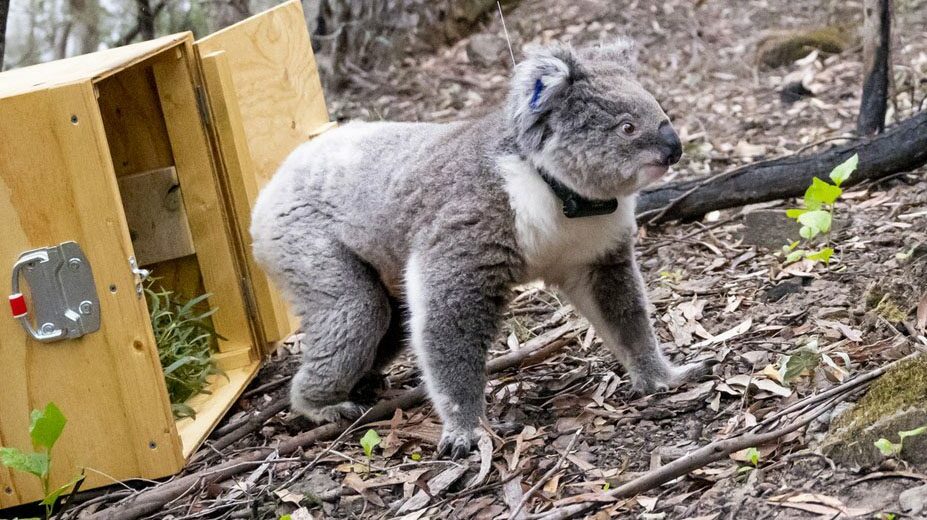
{"x": 699, "y": 458}
{"x": 506, "y": 30}
{"x": 547, "y": 476}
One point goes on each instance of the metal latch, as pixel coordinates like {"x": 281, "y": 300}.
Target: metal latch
{"x": 63, "y": 293}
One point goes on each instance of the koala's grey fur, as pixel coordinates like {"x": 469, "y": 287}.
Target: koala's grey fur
{"x": 444, "y": 219}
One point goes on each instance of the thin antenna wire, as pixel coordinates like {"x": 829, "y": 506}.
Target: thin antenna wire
{"x": 504, "y": 28}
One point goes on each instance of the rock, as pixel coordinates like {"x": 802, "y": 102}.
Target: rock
{"x": 894, "y": 403}
{"x": 486, "y": 50}
{"x": 914, "y": 501}
{"x": 793, "y": 285}
{"x": 769, "y": 229}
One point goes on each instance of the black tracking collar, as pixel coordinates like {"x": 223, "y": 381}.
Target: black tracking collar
{"x": 574, "y": 204}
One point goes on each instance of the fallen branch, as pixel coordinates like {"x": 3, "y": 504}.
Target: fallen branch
{"x": 901, "y": 148}
{"x": 720, "y": 449}
{"x": 150, "y": 501}
{"x": 699, "y": 458}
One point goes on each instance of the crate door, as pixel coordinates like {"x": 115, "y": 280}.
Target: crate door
{"x": 265, "y": 99}
{"x": 56, "y": 185}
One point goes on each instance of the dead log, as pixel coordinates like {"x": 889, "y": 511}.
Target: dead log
{"x": 876, "y": 66}
{"x": 901, "y": 148}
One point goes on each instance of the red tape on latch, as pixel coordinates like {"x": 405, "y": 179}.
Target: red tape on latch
{"x": 18, "y": 305}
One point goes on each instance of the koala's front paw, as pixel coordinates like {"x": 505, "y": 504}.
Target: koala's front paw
{"x": 457, "y": 442}
{"x": 343, "y": 411}
{"x": 669, "y": 378}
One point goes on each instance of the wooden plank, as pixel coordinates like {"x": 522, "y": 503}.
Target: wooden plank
{"x": 56, "y": 184}
{"x": 243, "y": 187}
{"x": 156, "y": 217}
{"x": 228, "y": 361}
{"x": 201, "y": 194}
{"x": 96, "y": 65}
{"x": 134, "y": 122}
{"x": 211, "y": 408}
{"x": 278, "y": 98}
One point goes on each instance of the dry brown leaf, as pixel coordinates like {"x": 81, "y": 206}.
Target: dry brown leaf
{"x": 285, "y": 495}
{"x": 741, "y": 328}
{"x": 484, "y": 444}
{"x": 922, "y": 313}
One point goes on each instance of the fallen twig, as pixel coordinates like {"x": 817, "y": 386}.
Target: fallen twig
{"x": 550, "y": 473}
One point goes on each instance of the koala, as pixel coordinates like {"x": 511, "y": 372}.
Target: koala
{"x": 373, "y": 229}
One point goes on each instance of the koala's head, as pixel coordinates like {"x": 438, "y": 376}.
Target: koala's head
{"x": 583, "y": 117}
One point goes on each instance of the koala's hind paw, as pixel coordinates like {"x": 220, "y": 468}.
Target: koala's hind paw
{"x": 457, "y": 443}
{"x": 343, "y": 411}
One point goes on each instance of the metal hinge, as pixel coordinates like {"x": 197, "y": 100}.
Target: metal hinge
{"x": 140, "y": 276}
{"x": 202, "y": 105}
{"x": 62, "y": 292}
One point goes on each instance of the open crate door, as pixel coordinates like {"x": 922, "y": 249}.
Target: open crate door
{"x": 265, "y": 99}
{"x": 107, "y": 382}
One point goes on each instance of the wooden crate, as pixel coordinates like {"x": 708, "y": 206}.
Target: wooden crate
{"x": 86, "y": 145}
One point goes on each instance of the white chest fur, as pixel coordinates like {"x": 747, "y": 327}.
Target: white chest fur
{"x": 552, "y": 244}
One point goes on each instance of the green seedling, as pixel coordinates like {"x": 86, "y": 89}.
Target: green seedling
{"x": 753, "y": 456}
{"x": 369, "y": 441}
{"x": 818, "y": 215}
{"x": 45, "y": 428}
{"x": 185, "y": 339}
{"x": 892, "y": 449}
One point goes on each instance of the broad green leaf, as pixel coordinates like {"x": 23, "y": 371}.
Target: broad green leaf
{"x": 753, "y": 456}
{"x": 54, "y": 494}
{"x": 46, "y": 426}
{"x": 842, "y": 172}
{"x": 807, "y": 232}
{"x": 820, "y": 256}
{"x": 181, "y": 410}
{"x": 818, "y": 221}
{"x": 912, "y": 433}
{"x": 887, "y": 447}
{"x": 799, "y": 362}
{"x": 286, "y": 517}
{"x": 795, "y": 213}
{"x": 822, "y": 193}
{"x": 369, "y": 441}
{"x": 34, "y": 463}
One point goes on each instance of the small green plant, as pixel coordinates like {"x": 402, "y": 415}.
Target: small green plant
{"x": 185, "y": 339}
{"x": 817, "y": 217}
{"x": 369, "y": 441}
{"x": 892, "y": 449}
{"x": 752, "y": 456}
{"x": 45, "y": 427}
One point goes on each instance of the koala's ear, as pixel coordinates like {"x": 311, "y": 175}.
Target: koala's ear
{"x": 540, "y": 82}
{"x": 544, "y": 74}
{"x": 619, "y": 53}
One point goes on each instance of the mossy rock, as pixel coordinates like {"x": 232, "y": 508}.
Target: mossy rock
{"x": 784, "y": 47}
{"x": 896, "y": 402}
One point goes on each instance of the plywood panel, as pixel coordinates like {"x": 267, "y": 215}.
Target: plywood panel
{"x": 134, "y": 123}
{"x": 56, "y": 184}
{"x": 82, "y": 68}
{"x": 206, "y": 211}
{"x": 155, "y": 213}
{"x": 275, "y": 100}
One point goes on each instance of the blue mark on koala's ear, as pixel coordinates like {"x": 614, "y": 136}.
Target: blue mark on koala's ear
{"x": 536, "y": 95}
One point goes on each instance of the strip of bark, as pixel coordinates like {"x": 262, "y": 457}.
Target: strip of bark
{"x": 877, "y": 43}
{"x": 152, "y": 500}
{"x": 902, "y": 148}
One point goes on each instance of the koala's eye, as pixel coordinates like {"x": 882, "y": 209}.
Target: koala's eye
{"x": 628, "y": 128}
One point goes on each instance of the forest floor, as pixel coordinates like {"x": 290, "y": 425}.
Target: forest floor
{"x": 717, "y": 289}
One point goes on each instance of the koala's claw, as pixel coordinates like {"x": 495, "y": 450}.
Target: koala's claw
{"x": 456, "y": 443}
{"x": 676, "y": 377}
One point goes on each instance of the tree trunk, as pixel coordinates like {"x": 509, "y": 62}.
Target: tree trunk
{"x": 903, "y": 147}
{"x": 4, "y": 12}
{"x": 876, "y": 66}
{"x": 145, "y": 19}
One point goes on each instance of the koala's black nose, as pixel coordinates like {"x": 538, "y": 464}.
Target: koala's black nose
{"x": 669, "y": 144}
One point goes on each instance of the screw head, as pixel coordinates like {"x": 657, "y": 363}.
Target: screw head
{"x": 85, "y": 307}
{"x": 74, "y": 264}
{"x": 47, "y": 328}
